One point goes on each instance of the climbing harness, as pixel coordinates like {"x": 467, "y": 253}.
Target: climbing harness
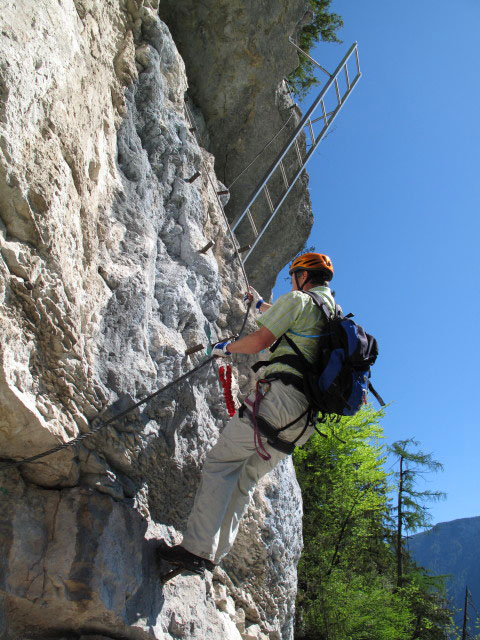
{"x": 226, "y": 382}
{"x": 259, "y": 395}
{"x": 264, "y": 428}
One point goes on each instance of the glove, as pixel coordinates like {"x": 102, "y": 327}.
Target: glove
{"x": 254, "y": 297}
{"x": 221, "y": 349}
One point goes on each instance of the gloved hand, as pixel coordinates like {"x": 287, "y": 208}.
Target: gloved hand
{"x": 254, "y": 297}
{"x": 221, "y": 349}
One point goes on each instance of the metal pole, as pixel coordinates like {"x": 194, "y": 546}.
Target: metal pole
{"x": 465, "y": 615}
{"x": 309, "y": 57}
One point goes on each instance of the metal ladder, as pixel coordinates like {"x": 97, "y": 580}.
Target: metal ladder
{"x": 337, "y": 90}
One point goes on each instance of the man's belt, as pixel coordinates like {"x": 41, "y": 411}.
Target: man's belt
{"x": 287, "y": 378}
{"x": 270, "y": 432}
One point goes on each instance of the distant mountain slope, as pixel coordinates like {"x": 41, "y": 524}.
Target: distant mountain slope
{"x": 453, "y": 549}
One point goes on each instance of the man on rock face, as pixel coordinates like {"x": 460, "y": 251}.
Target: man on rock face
{"x": 273, "y": 417}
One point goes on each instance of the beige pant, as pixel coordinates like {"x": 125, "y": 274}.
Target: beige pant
{"x": 233, "y": 468}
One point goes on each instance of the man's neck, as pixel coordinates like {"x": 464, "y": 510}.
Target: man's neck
{"x": 309, "y": 286}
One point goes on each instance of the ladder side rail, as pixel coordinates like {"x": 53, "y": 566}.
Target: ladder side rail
{"x": 332, "y": 114}
{"x": 292, "y": 184}
{"x": 328, "y": 117}
{"x": 295, "y": 134}
{"x": 297, "y": 175}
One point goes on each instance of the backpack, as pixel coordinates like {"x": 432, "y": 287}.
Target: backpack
{"x": 338, "y": 381}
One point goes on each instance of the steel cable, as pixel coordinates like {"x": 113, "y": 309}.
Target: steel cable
{"x": 260, "y": 152}
{"x": 101, "y": 425}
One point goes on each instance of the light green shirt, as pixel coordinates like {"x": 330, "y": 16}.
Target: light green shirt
{"x": 295, "y": 313}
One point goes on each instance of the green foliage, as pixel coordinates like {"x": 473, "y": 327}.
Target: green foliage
{"x": 347, "y": 574}
{"x": 323, "y": 26}
{"x": 425, "y": 598}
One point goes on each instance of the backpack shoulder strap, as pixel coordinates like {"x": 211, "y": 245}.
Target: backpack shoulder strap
{"x": 322, "y": 305}
{"x": 294, "y": 346}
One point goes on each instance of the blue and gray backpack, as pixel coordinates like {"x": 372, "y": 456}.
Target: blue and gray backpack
{"x": 339, "y": 379}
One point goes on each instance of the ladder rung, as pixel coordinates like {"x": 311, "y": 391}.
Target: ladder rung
{"x": 337, "y": 89}
{"x": 284, "y": 175}
{"x": 322, "y": 117}
{"x": 299, "y": 155}
{"x": 358, "y": 61}
{"x": 254, "y": 228}
{"x": 311, "y": 130}
{"x": 269, "y": 200}
{"x": 324, "y": 111}
{"x": 346, "y": 75}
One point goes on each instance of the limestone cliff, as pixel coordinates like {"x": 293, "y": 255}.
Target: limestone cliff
{"x": 102, "y": 290}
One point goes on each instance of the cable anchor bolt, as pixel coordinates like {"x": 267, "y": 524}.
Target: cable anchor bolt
{"x": 193, "y": 178}
{"x": 207, "y": 247}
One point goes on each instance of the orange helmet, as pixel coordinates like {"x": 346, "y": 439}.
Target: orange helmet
{"x": 313, "y": 262}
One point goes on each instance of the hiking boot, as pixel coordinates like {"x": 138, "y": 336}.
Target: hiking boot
{"x": 180, "y": 556}
{"x": 209, "y": 564}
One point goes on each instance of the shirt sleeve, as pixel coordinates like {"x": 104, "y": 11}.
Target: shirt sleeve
{"x": 282, "y": 314}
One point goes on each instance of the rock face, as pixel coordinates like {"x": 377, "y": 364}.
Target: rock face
{"x": 237, "y": 55}
{"x": 103, "y": 288}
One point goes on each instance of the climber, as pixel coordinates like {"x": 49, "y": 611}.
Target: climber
{"x": 251, "y": 444}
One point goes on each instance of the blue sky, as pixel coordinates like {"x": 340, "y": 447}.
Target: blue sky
{"x": 396, "y": 196}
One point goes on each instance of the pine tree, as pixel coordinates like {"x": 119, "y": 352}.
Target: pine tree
{"x": 412, "y": 514}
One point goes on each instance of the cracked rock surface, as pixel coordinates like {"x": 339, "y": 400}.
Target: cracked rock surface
{"x": 103, "y": 287}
